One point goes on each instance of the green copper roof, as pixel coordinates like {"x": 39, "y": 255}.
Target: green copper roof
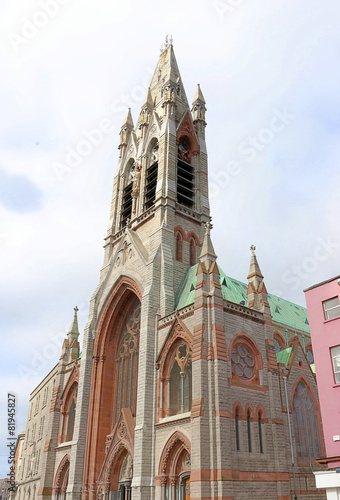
{"x": 282, "y": 310}
{"x": 284, "y": 355}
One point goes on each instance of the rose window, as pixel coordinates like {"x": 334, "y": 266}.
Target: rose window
{"x": 243, "y": 362}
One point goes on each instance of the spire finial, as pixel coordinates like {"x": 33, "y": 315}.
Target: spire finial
{"x": 208, "y": 226}
{"x": 167, "y": 42}
{"x": 253, "y": 248}
{"x": 76, "y": 309}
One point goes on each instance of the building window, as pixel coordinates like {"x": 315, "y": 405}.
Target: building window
{"x": 237, "y": 430}
{"x": 260, "y": 432}
{"x": 243, "y": 362}
{"x": 180, "y": 381}
{"x": 151, "y": 178}
{"x": 249, "y": 431}
{"x": 41, "y": 428}
{"x": 306, "y": 424}
{"x": 126, "y": 204}
{"x": 179, "y": 247}
{"x": 335, "y": 351}
{"x": 68, "y": 415}
{"x": 185, "y": 176}
{"x": 192, "y": 252}
{"x": 331, "y": 308}
{"x": 309, "y": 354}
{"x": 277, "y": 345}
{"x": 127, "y": 361}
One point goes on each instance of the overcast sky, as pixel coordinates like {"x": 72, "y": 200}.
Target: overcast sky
{"x": 269, "y": 72}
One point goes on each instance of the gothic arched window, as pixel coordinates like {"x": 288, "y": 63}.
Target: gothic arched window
{"x": 306, "y": 424}
{"x": 185, "y": 175}
{"x": 127, "y": 361}
{"x": 151, "y": 178}
{"x": 249, "y": 431}
{"x": 259, "y": 422}
{"x": 179, "y": 246}
{"x": 179, "y": 383}
{"x": 126, "y": 210}
{"x": 192, "y": 252}
{"x": 237, "y": 429}
{"x": 309, "y": 353}
{"x": 68, "y": 415}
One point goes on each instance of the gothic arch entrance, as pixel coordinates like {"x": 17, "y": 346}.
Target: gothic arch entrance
{"x": 113, "y": 380}
{"x": 125, "y": 478}
{"x": 174, "y": 468}
{"x": 61, "y": 479}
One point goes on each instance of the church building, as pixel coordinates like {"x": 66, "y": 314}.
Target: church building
{"x": 190, "y": 384}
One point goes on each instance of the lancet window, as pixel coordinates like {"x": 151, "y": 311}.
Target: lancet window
{"x": 306, "y": 424}
{"x": 179, "y": 246}
{"x": 126, "y": 210}
{"x": 192, "y": 252}
{"x": 127, "y": 361}
{"x": 68, "y": 415}
{"x": 151, "y": 178}
{"x": 179, "y": 383}
{"x": 185, "y": 175}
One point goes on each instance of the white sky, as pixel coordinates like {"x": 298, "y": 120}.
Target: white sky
{"x": 91, "y": 60}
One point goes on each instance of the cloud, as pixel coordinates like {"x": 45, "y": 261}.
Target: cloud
{"x": 19, "y": 194}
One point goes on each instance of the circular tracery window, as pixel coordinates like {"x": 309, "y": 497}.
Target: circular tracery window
{"x": 242, "y": 361}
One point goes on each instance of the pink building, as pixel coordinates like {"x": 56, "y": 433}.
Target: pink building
{"x": 323, "y": 306}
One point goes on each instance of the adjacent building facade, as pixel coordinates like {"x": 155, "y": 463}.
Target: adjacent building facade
{"x": 324, "y": 314}
{"x": 190, "y": 384}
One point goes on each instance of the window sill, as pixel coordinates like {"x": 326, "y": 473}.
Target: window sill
{"x": 173, "y": 418}
{"x": 336, "y": 385}
{"x": 65, "y": 444}
{"x": 331, "y": 319}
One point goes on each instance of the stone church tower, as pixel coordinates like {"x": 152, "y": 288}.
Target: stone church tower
{"x": 187, "y": 378}
{"x": 159, "y": 214}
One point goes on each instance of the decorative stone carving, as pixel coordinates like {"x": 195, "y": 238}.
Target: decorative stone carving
{"x": 126, "y": 470}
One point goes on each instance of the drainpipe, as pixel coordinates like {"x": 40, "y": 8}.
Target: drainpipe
{"x": 290, "y": 436}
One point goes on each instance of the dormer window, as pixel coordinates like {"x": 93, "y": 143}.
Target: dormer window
{"x": 185, "y": 175}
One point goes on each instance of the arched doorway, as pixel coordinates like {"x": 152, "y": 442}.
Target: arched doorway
{"x": 174, "y": 468}
{"x": 61, "y": 479}
{"x": 125, "y": 478}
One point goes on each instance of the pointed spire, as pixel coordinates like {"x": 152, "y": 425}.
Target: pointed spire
{"x": 257, "y": 292}
{"x": 255, "y": 274}
{"x": 207, "y": 255}
{"x": 148, "y": 101}
{"x": 198, "y": 112}
{"x": 74, "y": 330}
{"x": 128, "y": 122}
{"x": 166, "y": 83}
{"x": 198, "y": 98}
{"x": 125, "y": 132}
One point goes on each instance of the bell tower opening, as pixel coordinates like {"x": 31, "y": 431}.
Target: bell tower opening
{"x": 185, "y": 175}
{"x": 151, "y": 178}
